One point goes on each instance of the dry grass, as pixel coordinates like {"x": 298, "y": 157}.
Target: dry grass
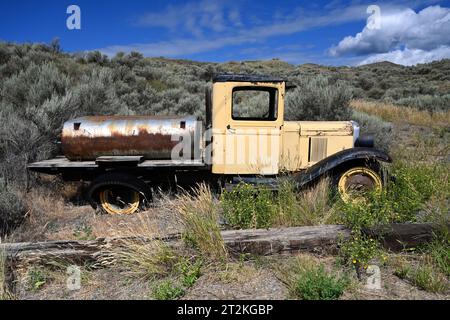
{"x": 393, "y": 113}
{"x": 309, "y": 207}
{"x": 53, "y": 217}
{"x": 3, "y": 289}
{"x": 420, "y": 271}
{"x": 45, "y": 207}
{"x": 138, "y": 252}
{"x": 199, "y": 215}
{"x": 5, "y": 293}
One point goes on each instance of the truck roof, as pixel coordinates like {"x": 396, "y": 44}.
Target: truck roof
{"x": 245, "y": 78}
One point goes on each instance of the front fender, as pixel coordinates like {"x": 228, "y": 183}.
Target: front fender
{"x": 328, "y": 164}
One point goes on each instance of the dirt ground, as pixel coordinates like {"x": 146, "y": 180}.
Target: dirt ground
{"x": 248, "y": 280}
{"x": 238, "y": 280}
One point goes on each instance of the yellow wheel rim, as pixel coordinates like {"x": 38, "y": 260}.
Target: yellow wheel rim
{"x": 119, "y": 200}
{"x": 358, "y": 179}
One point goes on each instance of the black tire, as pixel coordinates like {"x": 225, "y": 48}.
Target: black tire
{"x": 118, "y": 182}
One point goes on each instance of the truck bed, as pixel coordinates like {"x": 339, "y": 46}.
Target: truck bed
{"x": 61, "y": 164}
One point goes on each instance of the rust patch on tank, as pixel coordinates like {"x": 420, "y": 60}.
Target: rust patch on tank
{"x": 149, "y": 145}
{"x": 150, "y": 137}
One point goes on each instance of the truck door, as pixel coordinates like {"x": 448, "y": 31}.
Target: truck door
{"x": 247, "y": 122}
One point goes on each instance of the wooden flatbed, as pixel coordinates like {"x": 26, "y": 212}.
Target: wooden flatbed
{"x": 63, "y": 165}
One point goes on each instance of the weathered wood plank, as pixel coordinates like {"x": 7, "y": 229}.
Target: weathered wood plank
{"x": 284, "y": 240}
{"x": 63, "y": 162}
{"x": 398, "y": 236}
{"x": 253, "y": 241}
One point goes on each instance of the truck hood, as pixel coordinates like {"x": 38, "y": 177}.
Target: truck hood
{"x": 320, "y": 128}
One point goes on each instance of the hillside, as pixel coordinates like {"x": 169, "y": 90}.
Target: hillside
{"x": 426, "y": 86}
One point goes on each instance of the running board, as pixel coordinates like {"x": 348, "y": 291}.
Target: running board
{"x": 257, "y": 182}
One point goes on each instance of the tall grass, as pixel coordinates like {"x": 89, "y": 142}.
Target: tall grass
{"x": 423, "y": 273}
{"x": 310, "y": 206}
{"x": 5, "y": 293}
{"x": 393, "y": 113}
{"x": 247, "y": 206}
{"x": 139, "y": 252}
{"x": 199, "y": 214}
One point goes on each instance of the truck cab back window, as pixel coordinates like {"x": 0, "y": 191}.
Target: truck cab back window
{"x": 252, "y": 103}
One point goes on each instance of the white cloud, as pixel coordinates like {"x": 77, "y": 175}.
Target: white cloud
{"x": 193, "y": 17}
{"x": 207, "y": 26}
{"x": 420, "y": 32}
{"x": 237, "y": 34}
{"x": 410, "y": 57}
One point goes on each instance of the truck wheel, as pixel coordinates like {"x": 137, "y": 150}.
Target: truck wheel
{"x": 119, "y": 200}
{"x": 116, "y": 193}
{"x": 353, "y": 183}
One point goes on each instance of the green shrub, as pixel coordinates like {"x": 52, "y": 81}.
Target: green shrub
{"x": 414, "y": 185}
{"x": 433, "y": 103}
{"x": 314, "y": 283}
{"x": 376, "y": 127}
{"x": 190, "y": 271}
{"x": 12, "y": 210}
{"x": 402, "y": 270}
{"x": 439, "y": 252}
{"x": 167, "y": 290}
{"x": 318, "y": 99}
{"x": 248, "y": 207}
{"x": 375, "y": 93}
{"x": 36, "y": 279}
{"x": 401, "y": 201}
{"x": 375, "y": 209}
{"x": 359, "y": 250}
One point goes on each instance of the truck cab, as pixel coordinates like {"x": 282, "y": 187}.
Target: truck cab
{"x": 250, "y": 135}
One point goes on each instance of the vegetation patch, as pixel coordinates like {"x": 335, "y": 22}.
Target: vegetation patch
{"x": 411, "y": 115}
{"x": 422, "y": 273}
{"x": 12, "y": 209}
{"x": 308, "y": 279}
{"x": 247, "y": 206}
{"x": 200, "y": 217}
{"x": 167, "y": 290}
{"x": 37, "y": 278}
{"x": 359, "y": 251}
{"x": 5, "y": 292}
{"x": 190, "y": 271}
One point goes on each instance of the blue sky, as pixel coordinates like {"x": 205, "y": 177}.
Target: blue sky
{"x": 326, "y": 32}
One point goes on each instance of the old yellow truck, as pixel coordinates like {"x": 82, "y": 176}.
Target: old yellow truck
{"x": 243, "y": 138}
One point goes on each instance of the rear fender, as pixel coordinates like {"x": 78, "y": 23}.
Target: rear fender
{"x": 333, "y": 162}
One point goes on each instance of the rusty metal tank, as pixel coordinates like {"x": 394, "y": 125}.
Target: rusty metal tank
{"x": 153, "y": 137}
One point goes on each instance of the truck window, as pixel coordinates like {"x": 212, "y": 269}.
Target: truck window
{"x": 254, "y": 103}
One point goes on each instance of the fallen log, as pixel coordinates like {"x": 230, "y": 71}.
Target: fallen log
{"x": 251, "y": 241}
{"x": 284, "y": 240}
{"x": 398, "y": 236}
